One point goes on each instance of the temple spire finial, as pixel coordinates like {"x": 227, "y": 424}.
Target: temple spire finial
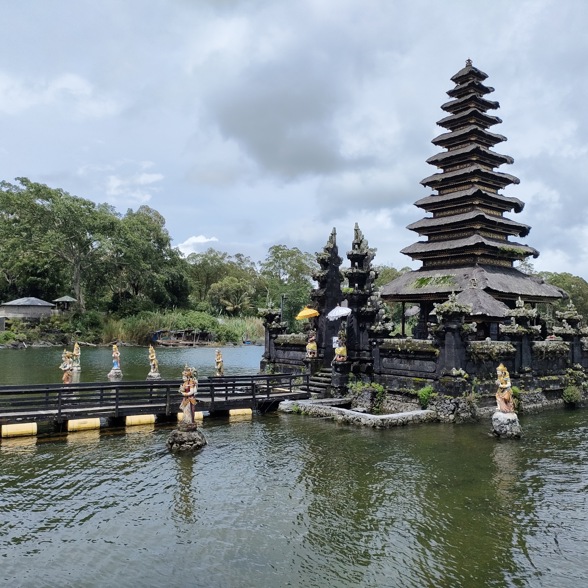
{"x": 468, "y": 62}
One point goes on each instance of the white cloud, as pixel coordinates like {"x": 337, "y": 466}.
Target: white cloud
{"x": 267, "y": 122}
{"x": 68, "y": 91}
{"x": 194, "y": 244}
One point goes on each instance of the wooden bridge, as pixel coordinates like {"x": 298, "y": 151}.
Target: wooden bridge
{"x": 62, "y": 402}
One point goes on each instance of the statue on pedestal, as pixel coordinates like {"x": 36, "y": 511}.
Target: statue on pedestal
{"x": 66, "y": 366}
{"x": 153, "y": 365}
{"x": 188, "y": 390}
{"x": 341, "y": 349}
{"x": 505, "y": 422}
{"x": 187, "y": 437}
{"x": 504, "y": 401}
{"x": 311, "y": 346}
{"x": 115, "y": 373}
{"x": 219, "y": 364}
{"x": 76, "y": 357}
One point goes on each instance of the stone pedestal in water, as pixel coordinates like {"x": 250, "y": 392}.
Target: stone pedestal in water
{"x": 506, "y": 424}
{"x": 186, "y": 438}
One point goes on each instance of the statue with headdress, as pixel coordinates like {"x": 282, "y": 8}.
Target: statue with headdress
{"x": 311, "y": 346}
{"x": 188, "y": 390}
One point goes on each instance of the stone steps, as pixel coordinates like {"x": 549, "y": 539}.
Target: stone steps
{"x": 319, "y": 384}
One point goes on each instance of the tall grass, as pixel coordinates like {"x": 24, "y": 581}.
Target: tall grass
{"x": 139, "y": 328}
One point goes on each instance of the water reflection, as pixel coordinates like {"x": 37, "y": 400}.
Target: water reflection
{"x": 286, "y": 500}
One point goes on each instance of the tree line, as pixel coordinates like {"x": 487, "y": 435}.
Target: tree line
{"x": 55, "y": 244}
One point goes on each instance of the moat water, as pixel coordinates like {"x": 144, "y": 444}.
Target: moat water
{"x": 285, "y": 500}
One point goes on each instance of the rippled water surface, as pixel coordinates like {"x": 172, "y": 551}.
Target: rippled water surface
{"x": 41, "y": 365}
{"x": 286, "y": 500}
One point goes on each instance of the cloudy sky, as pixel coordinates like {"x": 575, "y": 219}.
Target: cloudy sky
{"x": 248, "y": 123}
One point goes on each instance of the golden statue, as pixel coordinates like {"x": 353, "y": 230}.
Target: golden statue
{"x": 504, "y": 400}
{"x": 311, "y": 347}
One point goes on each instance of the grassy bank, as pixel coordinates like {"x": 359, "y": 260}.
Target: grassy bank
{"x": 97, "y": 328}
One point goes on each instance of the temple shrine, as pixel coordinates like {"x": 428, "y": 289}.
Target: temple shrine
{"x": 475, "y": 309}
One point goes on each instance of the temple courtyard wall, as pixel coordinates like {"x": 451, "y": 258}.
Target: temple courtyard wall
{"x": 540, "y": 372}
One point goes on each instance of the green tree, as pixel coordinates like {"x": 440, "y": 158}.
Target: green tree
{"x": 205, "y": 269}
{"x": 288, "y": 272}
{"x": 576, "y": 287}
{"x": 51, "y": 227}
{"x": 146, "y": 272}
{"x": 232, "y": 295}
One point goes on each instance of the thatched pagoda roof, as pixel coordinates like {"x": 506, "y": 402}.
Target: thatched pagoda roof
{"x": 505, "y": 284}
{"x": 483, "y": 305}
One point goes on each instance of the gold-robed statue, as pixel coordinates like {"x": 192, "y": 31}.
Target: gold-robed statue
{"x": 188, "y": 390}
{"x": 504, "y": 399}
{"x": 311, "y": 346}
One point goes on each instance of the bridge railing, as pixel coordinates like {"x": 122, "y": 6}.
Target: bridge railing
{"x": 64, "y": 401}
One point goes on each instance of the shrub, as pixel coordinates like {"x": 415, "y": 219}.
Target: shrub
{"x": 6, "y": 337}
{"x": 425, "y": 395}
{"x": 572, "y": 394}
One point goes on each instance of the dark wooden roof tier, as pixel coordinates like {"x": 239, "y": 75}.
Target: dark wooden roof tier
{"x": 474, "y": 175}
{"x": 467, "y": 135}
{"x": 472, "y": 116}
{"x": 466, "y": 154}
{"x": 470, "y": 101}
{"x": 476, "y": 218}
{"x": 474, "y": 197}
{"x": 505, "y": 284}
{"x": 476, "y": 244}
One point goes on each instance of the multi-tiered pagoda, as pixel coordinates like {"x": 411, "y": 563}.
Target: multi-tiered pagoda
{"x": 467, "y": 235}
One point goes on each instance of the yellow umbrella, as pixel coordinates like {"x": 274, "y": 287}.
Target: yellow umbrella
{"x": 307, "y": 312}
